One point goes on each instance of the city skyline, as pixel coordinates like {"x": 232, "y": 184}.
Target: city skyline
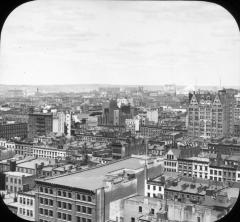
{"x": 120, "y": 43}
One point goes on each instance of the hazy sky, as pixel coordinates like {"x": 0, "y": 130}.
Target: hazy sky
{"x": 120, "y": 42}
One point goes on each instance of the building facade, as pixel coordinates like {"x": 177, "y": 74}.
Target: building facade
{"x": 12, "y": 130}
{"x": 210, "y": 115}
{"x": 26, "y": 205}
{"x": 40, "y": 124}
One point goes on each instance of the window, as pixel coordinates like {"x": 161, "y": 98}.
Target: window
{"x": 140, "y": 209}
{"x": 78, "y": 208}
{"x": 59, "y": 193}
{"x": 59, "y": 204}
{"x": 50, "y": 191}
{"x": 132, "y": 219}
{"x": 69, "y": 217}
{"x": 84, "y": 209}
{"x": 46, "y": 190}
{"x": 154, "y": 187}
{"x": 69, "y": 195}
{"x": 152, "y": 211}
{"x": 41, "y": 189}
{"x": 78, "y": 219}
{"x": 51, "y": 202}
{"x": 46, "y": 201}
{"x": 159, "y": 188}
{"x": 89, "y": 220}
{"x": 64, "y": 193}
{"x": 78, "y": 196}
{"x": 20, "y": 199}
{"x": 64, "y": 205}
{"x": 148, "y": 194}
{"x": 70, "y": 206}
{"x": 83, "y": 197}
{"x": 64, "y": 216}
{"x": 59, "y": 214}
{"x": 31, "y": 202}
{"x": 148, "y": 187}
{"x": 89, "y": 199}
{"x": 89, "y": 210}
{"x": 40, "y": 210}
{"x": 50, "y": 213}
{"x": 45, "y": 211}
{"x": 211, "y": 171}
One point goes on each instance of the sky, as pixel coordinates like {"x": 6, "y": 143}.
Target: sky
{"x": 120, "y": 42}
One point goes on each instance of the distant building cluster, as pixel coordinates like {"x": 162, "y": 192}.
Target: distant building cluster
{"x": 120, "y": 154}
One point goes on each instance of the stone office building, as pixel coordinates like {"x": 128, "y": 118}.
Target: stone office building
{"x": 92, "y": 194}
{"x": 210, "y": 115}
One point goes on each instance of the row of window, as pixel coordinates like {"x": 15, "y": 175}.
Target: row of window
{"x": 46, "y": 212}
{"x": 26, "y": 201}
{"x": 83, "y": 209}
{"x": 83, "y": 219}
{"x": 25, "y": 170}
{"x": 174, "y": 164}
{"x": 233, "y": 174}
{"x": 46, "y": 190}
{"x": 154, "y": 187}
{"x": 19, "y": 181}
{"x": 28, "y": 213}
{"x": 170, "y": 170}
{"x": 13, "y": 189}
{"x": 64, "y": 216}
{"x": 64, "y": 205}
{"x": 46, "y": 201}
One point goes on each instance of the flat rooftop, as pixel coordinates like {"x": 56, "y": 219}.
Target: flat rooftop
{"x": 188, "y": 189}
{"x": 93, "y": 179}
{"x": 31, "y": 163}
{"x": 17, "y": 174}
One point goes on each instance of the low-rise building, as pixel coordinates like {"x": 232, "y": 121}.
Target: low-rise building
{"x": 171, "y": 160}
{"x": 18, "y": 181}
{"x": 146, "y": 209}
{"x": 49, "y": 152}
{"x": 26, "y": 205}
{"x": 33, "y": 166}
{"x": 89, "y": 195}
{"x": 12, "y": 130}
